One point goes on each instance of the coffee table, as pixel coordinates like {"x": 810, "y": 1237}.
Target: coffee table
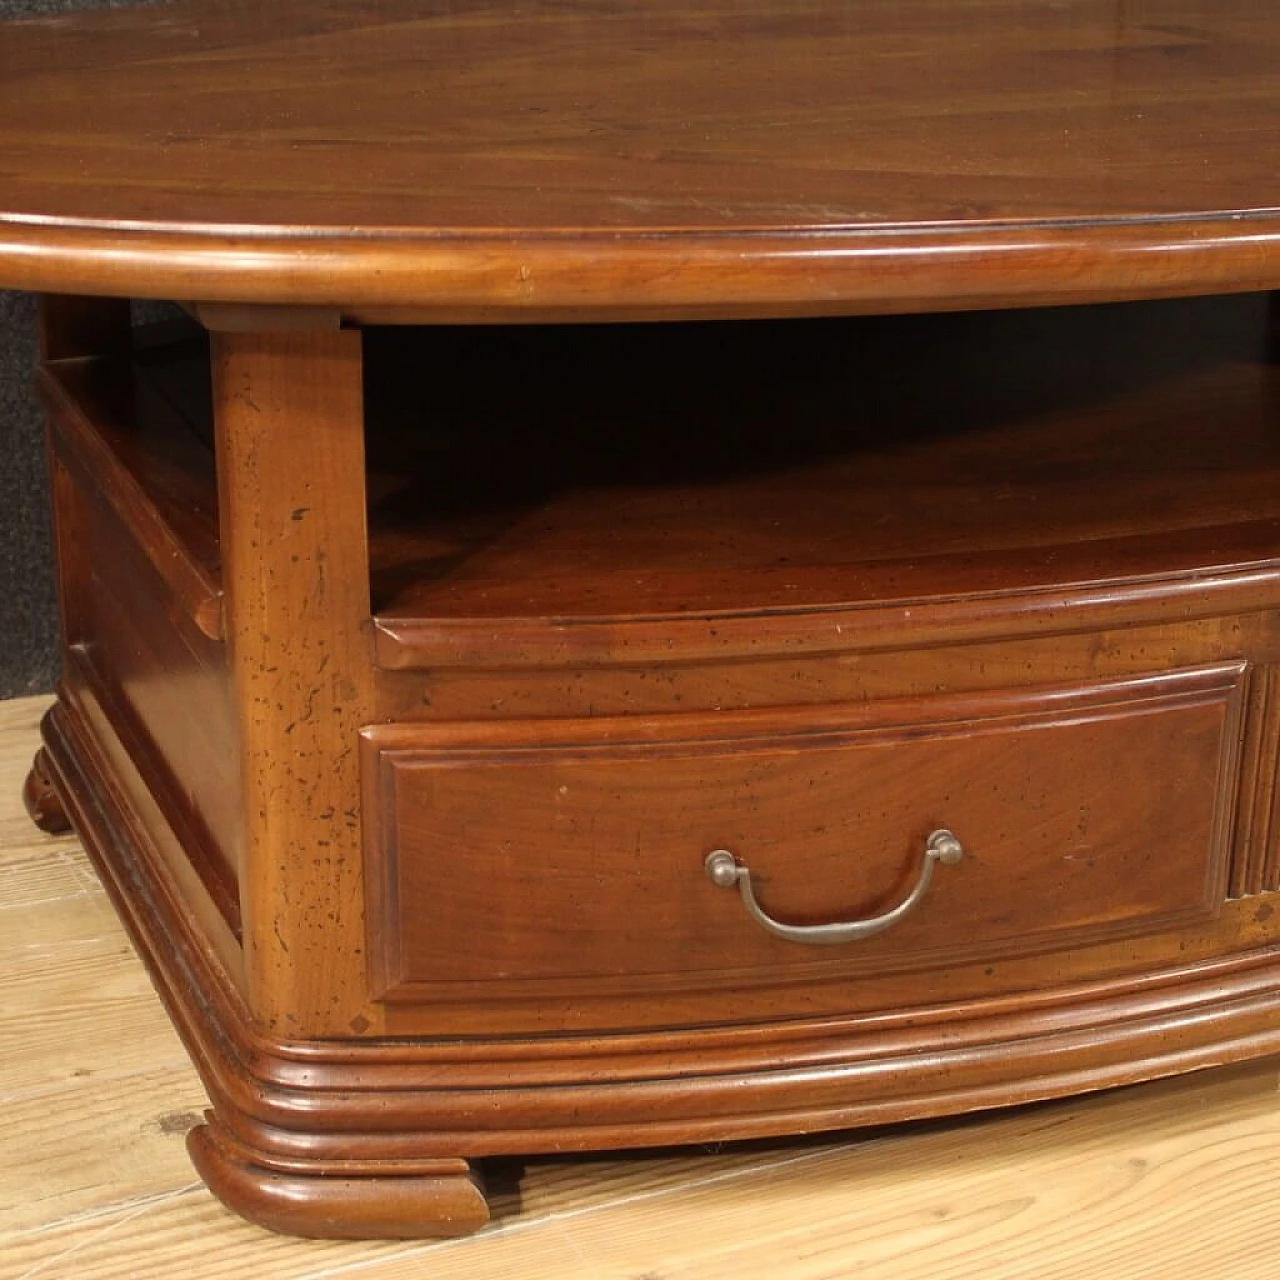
{"x": 512, "y": 717}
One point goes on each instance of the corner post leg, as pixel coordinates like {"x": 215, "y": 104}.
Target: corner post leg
{"x": 289, "y": 439}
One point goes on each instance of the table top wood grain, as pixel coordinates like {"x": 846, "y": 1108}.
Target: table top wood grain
{"x": 598, "y": 158}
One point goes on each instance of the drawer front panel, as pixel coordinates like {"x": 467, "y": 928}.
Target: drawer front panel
{"x": 548, "y": 858}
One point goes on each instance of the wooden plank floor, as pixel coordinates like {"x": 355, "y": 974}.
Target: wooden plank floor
{"x": 1170, "y": 1180}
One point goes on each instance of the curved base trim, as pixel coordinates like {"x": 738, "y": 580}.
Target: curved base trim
{"x": 372, "y": 1138}
{"x": 446, "y": 1201}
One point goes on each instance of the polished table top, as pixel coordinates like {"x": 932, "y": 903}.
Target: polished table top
{"x": 529, "y": 158}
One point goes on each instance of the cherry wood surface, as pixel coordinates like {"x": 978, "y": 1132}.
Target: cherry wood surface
{"x": 1037, "y": 597}
{"x": 1168, "y": 1181}
{"x": 752, "y": 471}
{"x": 463, "y": 822}
{"x": 114, "y": 429}
{"x": 887, "y": 469}
{"x": 686, "y": 156}
{"x": 322, "y": 1086}
{"x": 411, "y": 674}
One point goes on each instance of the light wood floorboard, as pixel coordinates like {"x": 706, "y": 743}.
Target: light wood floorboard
{"x": 1176, "y": 1180}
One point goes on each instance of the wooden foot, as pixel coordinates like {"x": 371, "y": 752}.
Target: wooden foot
{"x": 42, "y": 800}
{"x": 439, "y": 1198}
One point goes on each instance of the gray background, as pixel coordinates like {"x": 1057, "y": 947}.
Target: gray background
{"x": 28, "y": 627}
{"x": 28, "y": 658}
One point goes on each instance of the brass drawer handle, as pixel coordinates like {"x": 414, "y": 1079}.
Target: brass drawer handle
{"x": 725, "y": 870}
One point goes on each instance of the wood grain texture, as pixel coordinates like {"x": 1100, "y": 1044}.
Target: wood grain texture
{"x": 1169, "y": 1181}
{"x": 1256, "y": 857}
{"x": 337, "y": 1112}
{"x": 138, "y": 665}
{"x": 138, "y": 599}
{"x": 289, "y": 418}
{"x": 426, "y": 1094}
{"x": 156, "y": 480}
{"x": 796, "y": 488}
{"x": 439, "y": 1198}
{"x": 690, "y": 158}
{"x": 67, "y": 971}
{"x": 146, "y": 1158}
{"x": 509, "y": 527}
{"x": 481, "y": 834}
{"x": 408, "y": 161}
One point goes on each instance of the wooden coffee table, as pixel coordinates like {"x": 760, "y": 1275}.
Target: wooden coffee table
{"x": 506, "y": 727}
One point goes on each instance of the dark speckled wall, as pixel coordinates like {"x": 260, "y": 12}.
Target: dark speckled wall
{"x": 28, "y": 661}
{"x": 28, "y": 626}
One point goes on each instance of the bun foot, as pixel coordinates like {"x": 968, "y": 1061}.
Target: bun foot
{"x": 434, "y": 1198}
{"x": 41, "y": 800}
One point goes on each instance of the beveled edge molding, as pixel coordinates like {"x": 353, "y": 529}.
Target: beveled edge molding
{"x": 307, "y": 1135}
{"x": 509, "y": 643}
{"x": 464, "y": 275}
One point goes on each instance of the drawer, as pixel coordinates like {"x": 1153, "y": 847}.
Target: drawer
{"x": 563, "y": 859}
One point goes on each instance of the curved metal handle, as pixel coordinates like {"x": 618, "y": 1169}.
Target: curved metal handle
{"x": 725, "y": 871}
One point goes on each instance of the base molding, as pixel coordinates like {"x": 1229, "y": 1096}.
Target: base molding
{"x": 445, "y": 1198}
{"x": 375, "y": 1137}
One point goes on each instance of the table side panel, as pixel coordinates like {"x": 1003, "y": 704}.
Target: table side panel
{"x": 158, "y": 679}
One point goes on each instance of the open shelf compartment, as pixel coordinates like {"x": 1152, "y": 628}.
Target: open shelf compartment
{"x": 562, "y": 494}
